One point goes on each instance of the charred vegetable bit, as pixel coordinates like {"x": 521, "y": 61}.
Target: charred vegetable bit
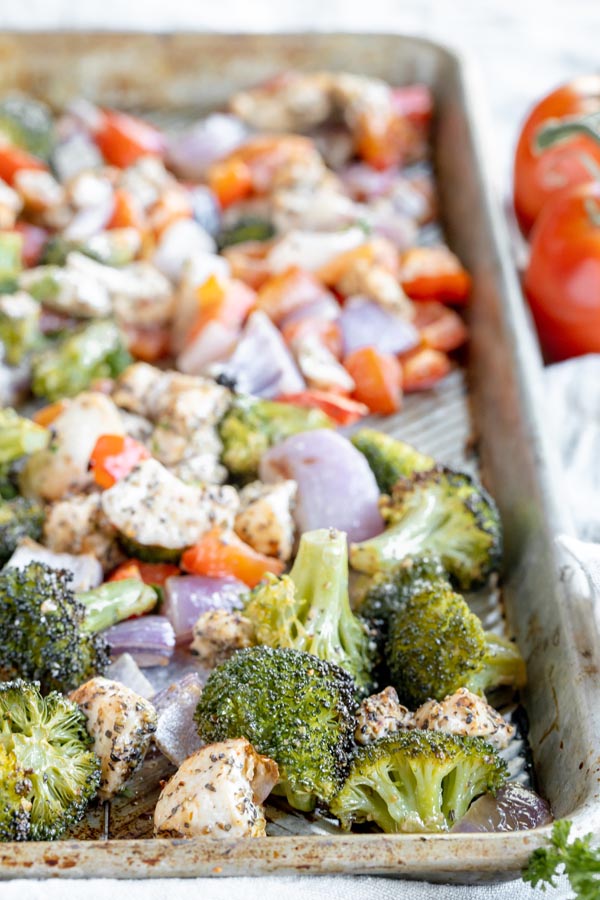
{"x": 95, "y": 351}
{"x": 437, "y": 645}
{"x": 48, "y": 770}
{"x": 253, "y": 425}
{"x": 292, "y": 707}
{"x": 417, "y": 781}
{"x": 248, "y": 229}
{"x": 441, "y": 512}
{"x": 309, "y": 609}
{"x": 51, "y": 631}
{"x": 19, "y": 518}
{"x": 389, "y": 459}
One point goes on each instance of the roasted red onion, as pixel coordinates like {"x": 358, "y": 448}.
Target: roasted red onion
{"x": 176, "y": 733}
{"x": 261, "y": 364}
{"x": 191, "y": 153}
{"x": 363, "y": 182}
{"x": 336, "y": 488}
{"x": 186, "y": 597}
{"x": 514, "y": 808}
{"x": 366, "y": 324}
{"x": 149, "y": 639}
{"x": 126, "y": 671}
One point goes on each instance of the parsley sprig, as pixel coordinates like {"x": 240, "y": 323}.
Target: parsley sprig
{"x": 577, "y": 859}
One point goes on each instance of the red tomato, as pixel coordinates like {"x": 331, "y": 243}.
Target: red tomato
{"x": 434, "y": 273}
{"x": 562, "y": 280}
{"x": 539, "y": 175}
{"x": 123, "y": 139}
{"x": 440, "y": 328}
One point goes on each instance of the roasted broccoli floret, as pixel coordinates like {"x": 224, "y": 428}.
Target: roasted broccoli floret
{"x": 11, "y": 247}
{"x": 115, "y": 247}
{"x": 19, "y": 518}
{"x": 292, "y": 707}
{"x": 50, "y": 632}
{"x": 19, "y": 326}
{"x": 389, "y": 459}
{"x": 28, "y": 124}
{"x": 249, "y": 228}
{"x": 417, "y": 781}
{"x": 48, "y": 770}
{"x": 309, "y": 609}
{"x": 252, "y": 425}
{"x": 436, "y": 645}
{"x": 389, "y": 589}
{"x": 439, "y": 512}
{"x": 19, "y": 437}
{"x": 67, "y": 368}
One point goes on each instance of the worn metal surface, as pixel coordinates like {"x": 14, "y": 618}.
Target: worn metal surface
{"x": 550, "y": 621}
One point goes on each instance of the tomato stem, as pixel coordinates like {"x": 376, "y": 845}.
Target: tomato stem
{"x": 554, "y": 132}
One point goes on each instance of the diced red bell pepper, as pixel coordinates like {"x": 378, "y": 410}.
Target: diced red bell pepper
{"x": 217, "y": 555}
{"x": 123, "y": 139}
{"x": 114, "y": 456}
{"x": 225, "y": 300}
{"x": 434, "y": 273}
{"x": 148, "y": 343}
{"x": 423, "y": 368}
{"x": 440, "y": 328}
{"x": 342, "y": 410}
{"x": 127, "y": 211}
{"x": 378, "y": 379}
{"x": 287, "y": 292}
{"x": 14, "y": 159}
{"x": 230, "y": 180}
{"x": 150, "y": 573}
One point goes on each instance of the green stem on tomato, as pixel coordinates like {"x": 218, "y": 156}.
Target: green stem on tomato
{"x": 559, "y": 130}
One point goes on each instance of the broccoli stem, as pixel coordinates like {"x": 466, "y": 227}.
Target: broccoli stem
{"x": 502, "y": 665}
{"x": 19, "y": 436}
{"x": 114, "y": 601}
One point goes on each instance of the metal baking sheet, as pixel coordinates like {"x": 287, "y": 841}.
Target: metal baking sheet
{"x": 496, "y": 422}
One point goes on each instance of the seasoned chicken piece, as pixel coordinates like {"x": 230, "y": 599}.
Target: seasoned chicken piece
{"x": 39, "y": 190}
{"x": 265, "y": 519}
{"x": 321, "y": 208}
{"x": 10, "y": 205}
{"x": 78, "y": 525}
{"x": 152, "y": 507}
{"x": 466, "y": 714}
{"x": 291, "y": 102}
{"x": 218, "y": 633}
{"x": 380, "y": 715}
{"x": 133, "y": 388}
{"x": 319, "y": 366}
{"x": 194, "y": 458}
{"x": 90, "y": 188}
{"x": 63, "y": 467}
{"x": 121, "y": 724}
{"x": 218, "y": 791}
{"x": 137, "y": 427}
{"x": 146, "y": 180}
{"x": 67, "y": 290}
{"x": 312, "y": 249}
{"x": 377, "y": 283}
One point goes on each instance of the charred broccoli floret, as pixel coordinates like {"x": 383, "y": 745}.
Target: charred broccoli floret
{"x": 252, "y": 425}
{"x": 19, "y": 326}
{"x": 292, "y": 707}
{"x": 19, "y": 518}
{"x": 389, "y": 589}
{"x": 28, "y": 124}
{"x": 417, "y": 781}
{"x": 68, "y": 367}
{"x": 436, "y": 645}
{"x": 50, "y": 632}
{"x": 440, "y": 512}
{"x": 48, "y": 770}
{"x": 389, "y": 459}
{"x": 309, "y": 609}
{"x": 249, "y": 228}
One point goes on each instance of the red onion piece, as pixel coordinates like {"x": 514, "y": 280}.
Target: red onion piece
{"x": 205, "y": 208}
{"x": 336, "y": 488}
{"x": 261, "y": 364}
{"x": 191, "y": 153}
{"x": 126, "y": 671}
{"x": 90, "y": 220}
{"x": 176, "y": 733}
{"x": 149, "y": 639}
{"x": 326, "y": 307}
{"x": 186, "y": 597}
{"x": 366, "y": 324}
{"x": 363, "y": 182}
{"x": 514, "y": 808}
